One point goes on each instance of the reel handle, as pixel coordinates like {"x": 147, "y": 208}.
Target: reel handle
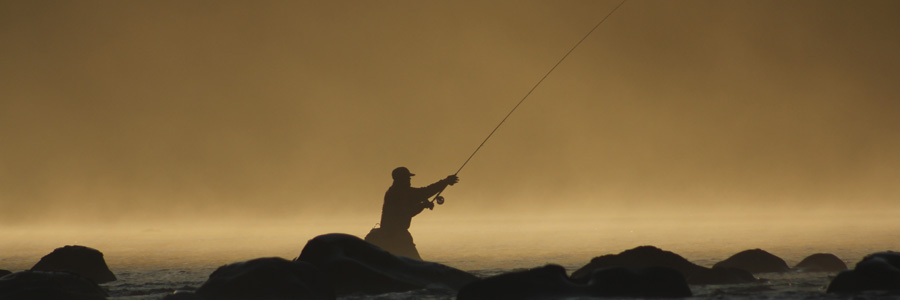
{"x": 437, "y": 198}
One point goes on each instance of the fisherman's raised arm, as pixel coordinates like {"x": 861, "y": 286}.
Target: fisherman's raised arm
{"x": 437, "y": 187}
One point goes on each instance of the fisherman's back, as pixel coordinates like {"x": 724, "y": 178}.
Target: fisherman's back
{"x": 401, "y": 204}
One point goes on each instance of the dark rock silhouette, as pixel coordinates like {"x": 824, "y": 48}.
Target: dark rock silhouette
{"x": 875, "y": 272}
{"x": 542, "y": 282}
{"x": 551, "y": 282}
{"x": 4, "y": 272}
{"x": 821, "y": 262}
{"x": 649, "y": 256}
{"x": 355, "y": 266}
{"x": 87, "y": 262}
{"x": 755, "y": 261}
{"x": 41, "y": 285}
{"x": 269, "y": 278}
{"x": 645, "y": 282}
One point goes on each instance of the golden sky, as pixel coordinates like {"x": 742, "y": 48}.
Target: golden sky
{"x": 114, "y": 110}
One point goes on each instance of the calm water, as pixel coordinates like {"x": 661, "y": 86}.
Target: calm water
{"x": 152, "y": 262}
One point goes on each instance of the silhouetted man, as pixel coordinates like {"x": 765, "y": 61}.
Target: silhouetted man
{"x": 401, "y": 203}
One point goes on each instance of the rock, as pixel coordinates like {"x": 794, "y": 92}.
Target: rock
{"x": 41, "y": 285}
{"x": 755, "y": 261}
{"x": 720, "y": 275}
{"x": 4, "y": 272}
{"x": 646, "y": 282}
{"x": 355, "y": 266}
{"x": 537, "y": 283}
{"x": 551, "y": 282}
{"x": 649, "y": 256}
{"x": 263, "y": 279}
{"x": 81, "y": 260}
{"x": 821, "y": 262}
{"x": 875, "y": 272}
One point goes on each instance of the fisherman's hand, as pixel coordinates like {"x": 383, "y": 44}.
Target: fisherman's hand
{"x": 451, "y": 180}
{"x": 429, "y": 205}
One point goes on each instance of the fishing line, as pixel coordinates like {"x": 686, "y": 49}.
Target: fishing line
{"x": 438, "y": 197}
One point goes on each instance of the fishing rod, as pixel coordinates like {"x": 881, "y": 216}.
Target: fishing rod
{"x": 440, "y": 199}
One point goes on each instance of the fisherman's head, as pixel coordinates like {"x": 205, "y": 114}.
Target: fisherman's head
{"x": 401, "y": 174}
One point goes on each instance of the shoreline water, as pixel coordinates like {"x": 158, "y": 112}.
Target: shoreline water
{"x": 153, "y": 261}
{"x": 486, "y": 243}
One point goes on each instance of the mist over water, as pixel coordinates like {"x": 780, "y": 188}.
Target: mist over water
{"x": 169, "y": 133}
{"x": 496, "y": 242}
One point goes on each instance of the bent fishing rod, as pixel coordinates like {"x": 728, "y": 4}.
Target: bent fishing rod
{"x": 440, "y": 199}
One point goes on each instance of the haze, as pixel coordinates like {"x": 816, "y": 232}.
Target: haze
{"x": 142, "y": 114}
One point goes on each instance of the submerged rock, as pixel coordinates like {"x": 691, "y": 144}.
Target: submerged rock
{"x": 649, "y": 256}
{"x": 266, "y": 278}
{"x": 355, "y": 266}
{"x": 551, "y": 282}
{"x": 537, "y": 283}
{"x": 269, "y": 278}
{"x": 41, "y": 285}
{"x": 644, "y": 282}
{"x": 755, "y": 261}
{"x": 821, "y": 262}
{"x": 875, "y": 272}
{"x": 81, "y": 260}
